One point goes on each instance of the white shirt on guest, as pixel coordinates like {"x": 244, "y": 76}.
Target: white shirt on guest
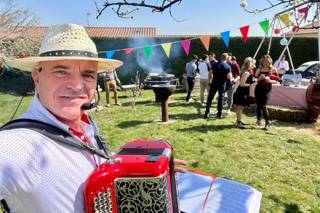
{"x": 282, "y": 66}
{"x": 203, "y": 69}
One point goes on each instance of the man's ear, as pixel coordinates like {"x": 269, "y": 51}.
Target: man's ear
{"x": 35, "y": 76}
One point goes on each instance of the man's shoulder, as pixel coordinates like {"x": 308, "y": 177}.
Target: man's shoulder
{"x": 225, "y": 65}
{"x": 18, "y": 134}
{"x": 19, "y": 141}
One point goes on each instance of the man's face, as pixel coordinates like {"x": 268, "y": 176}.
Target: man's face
{"x": 64, "y": 86}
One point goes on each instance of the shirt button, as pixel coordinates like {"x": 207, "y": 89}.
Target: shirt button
{"x": 81, "y": 137}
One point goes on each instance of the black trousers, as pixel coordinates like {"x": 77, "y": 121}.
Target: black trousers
{"x": 191, "y": 83}
{"x": 212, "y": 92}
{"x": 262, "y": 93}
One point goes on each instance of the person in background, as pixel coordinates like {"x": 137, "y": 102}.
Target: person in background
{"x": 204, "y": 68}
{"x": 221, "y": 72}
{"x": 281, "y": 65}
{"x": 191, "y": 72}
{"x": 212, "y": 57}
{"x": 235, "y": 70}
{"x": 265, "y": 75}
{"x": 111, "y": 81}
{"x": 241, "y": 95}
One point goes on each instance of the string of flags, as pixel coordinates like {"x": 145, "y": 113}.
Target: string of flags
{"x": 205, "y": 40}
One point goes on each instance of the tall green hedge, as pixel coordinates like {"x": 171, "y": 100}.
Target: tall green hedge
{"x": 302, "y": 50}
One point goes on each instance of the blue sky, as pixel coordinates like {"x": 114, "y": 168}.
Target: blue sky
{"x": 202, "y": 16}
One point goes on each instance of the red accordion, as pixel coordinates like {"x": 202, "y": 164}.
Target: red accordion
{"x": 138, "y": 179}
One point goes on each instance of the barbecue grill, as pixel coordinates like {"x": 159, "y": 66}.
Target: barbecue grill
{"x": 160, "y": 79}
{"x": 162, "y": 93}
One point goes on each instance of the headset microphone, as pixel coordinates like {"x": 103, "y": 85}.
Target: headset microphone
{"x": 87, "y": 106}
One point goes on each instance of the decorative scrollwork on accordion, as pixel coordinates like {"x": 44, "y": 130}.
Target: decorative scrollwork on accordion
{"x": 143, "y": 195}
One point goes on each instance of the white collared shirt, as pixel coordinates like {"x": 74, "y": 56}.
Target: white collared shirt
{"x": 41, "y": 175}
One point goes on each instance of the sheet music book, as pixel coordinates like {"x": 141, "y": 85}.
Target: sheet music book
{"x": 206, "y": 194}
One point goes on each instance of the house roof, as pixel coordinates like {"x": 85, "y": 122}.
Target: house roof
{"x": 93, "y": 32}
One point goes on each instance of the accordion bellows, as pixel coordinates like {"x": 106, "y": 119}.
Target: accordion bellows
{"x": 139, "y": 178}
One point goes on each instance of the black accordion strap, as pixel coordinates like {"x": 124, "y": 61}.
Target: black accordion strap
{"x": 52, "y": 132}
{"x": 57, "y": 135}
{"x": 100, "y": 140}
{"x": 4, "y": 207}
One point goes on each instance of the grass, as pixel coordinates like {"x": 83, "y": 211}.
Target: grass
{"x": 282, "y": 163}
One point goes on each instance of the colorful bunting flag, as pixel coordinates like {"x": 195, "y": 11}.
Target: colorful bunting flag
{"x": 265, "y": 26}
{"x": 205, "y": 41}
{"x": 225, "y": 37}
{"x": 110, "y": 53}
{"x": 305, "y": 11}
{"x": 166, "y": 47}
{"x": 147, "y": 50}
{"x": 285, "y": 19}
{"x": 244, "y": 32}
{"x": 128, "y": 51}
{"x": 186, "y": 45}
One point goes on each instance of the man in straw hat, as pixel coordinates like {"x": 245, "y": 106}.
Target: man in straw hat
{"x": 45, "y": 161}
{"x": 38, "y": 174}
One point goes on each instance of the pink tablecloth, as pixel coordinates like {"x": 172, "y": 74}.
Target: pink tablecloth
{"x": 288, "y": 96}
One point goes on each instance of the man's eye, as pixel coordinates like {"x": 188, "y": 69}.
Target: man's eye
{"x": 60, "y": 73}
{"x": 89, "y": 77}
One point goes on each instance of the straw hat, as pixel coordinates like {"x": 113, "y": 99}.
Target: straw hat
{"x": 66, "y": 42}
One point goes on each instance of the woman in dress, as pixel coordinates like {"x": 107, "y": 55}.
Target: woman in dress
{"x": 241, "y": 96}
{"x": 266, "y": 75}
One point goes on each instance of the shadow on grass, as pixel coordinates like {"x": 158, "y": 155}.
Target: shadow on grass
{"x": 288, "y": 207}
{"x": 131, "y": 103}
{"x": 293, "y": 141}
{"x": 186, "y": 117}
{"x": 206, "y": 128}
{"x": 128, "y": 124}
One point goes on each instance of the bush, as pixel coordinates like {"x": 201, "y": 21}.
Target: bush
{"x": 159, "y": 62}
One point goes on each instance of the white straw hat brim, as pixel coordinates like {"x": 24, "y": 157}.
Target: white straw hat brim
{"x": 28, "y": 63}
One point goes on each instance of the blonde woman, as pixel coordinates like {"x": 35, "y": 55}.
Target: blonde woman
{"x": 241, "y": 96}
{"x": 266, "y": 75}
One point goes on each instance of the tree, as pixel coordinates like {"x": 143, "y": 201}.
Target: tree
{"x": 294, "y": 7}
{"x": 122, "y": 8}
{"x": 14, "y": 23}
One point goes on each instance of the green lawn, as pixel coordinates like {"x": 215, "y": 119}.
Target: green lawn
{"x": 282, "y": 163}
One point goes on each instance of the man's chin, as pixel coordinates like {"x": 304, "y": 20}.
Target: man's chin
{"x": 71, "y": 113}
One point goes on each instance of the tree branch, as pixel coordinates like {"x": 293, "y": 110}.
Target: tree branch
{"x": 155, "y": 7}
{"x": 289, "y": 6}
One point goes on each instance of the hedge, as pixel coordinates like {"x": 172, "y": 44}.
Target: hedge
{"x": 302, "y": 50}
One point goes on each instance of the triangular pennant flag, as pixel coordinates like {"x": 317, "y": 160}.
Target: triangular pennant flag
{"x": 265, "y": 26}
{"x": 205, "y": 41}
{"x": 166, "y": 47}
{"x": 110, "y": 53}
{"x": 305, "y": 11}
{"x": 127, "y": 51}
{"x": 225, "y": 37}
{"x": 186, "y": 45}
{"x": 147, "y": 50}
{"x": 244, "y": 32}
{"x": 285, "y": 19}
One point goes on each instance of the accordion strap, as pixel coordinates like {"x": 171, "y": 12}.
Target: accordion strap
{"x": 58, "y": 135}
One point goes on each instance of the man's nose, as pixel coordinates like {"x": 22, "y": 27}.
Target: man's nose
{"x": 76, "y": 81}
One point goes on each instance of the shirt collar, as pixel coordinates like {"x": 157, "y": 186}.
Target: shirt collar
{"x": 37, "y": 111}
